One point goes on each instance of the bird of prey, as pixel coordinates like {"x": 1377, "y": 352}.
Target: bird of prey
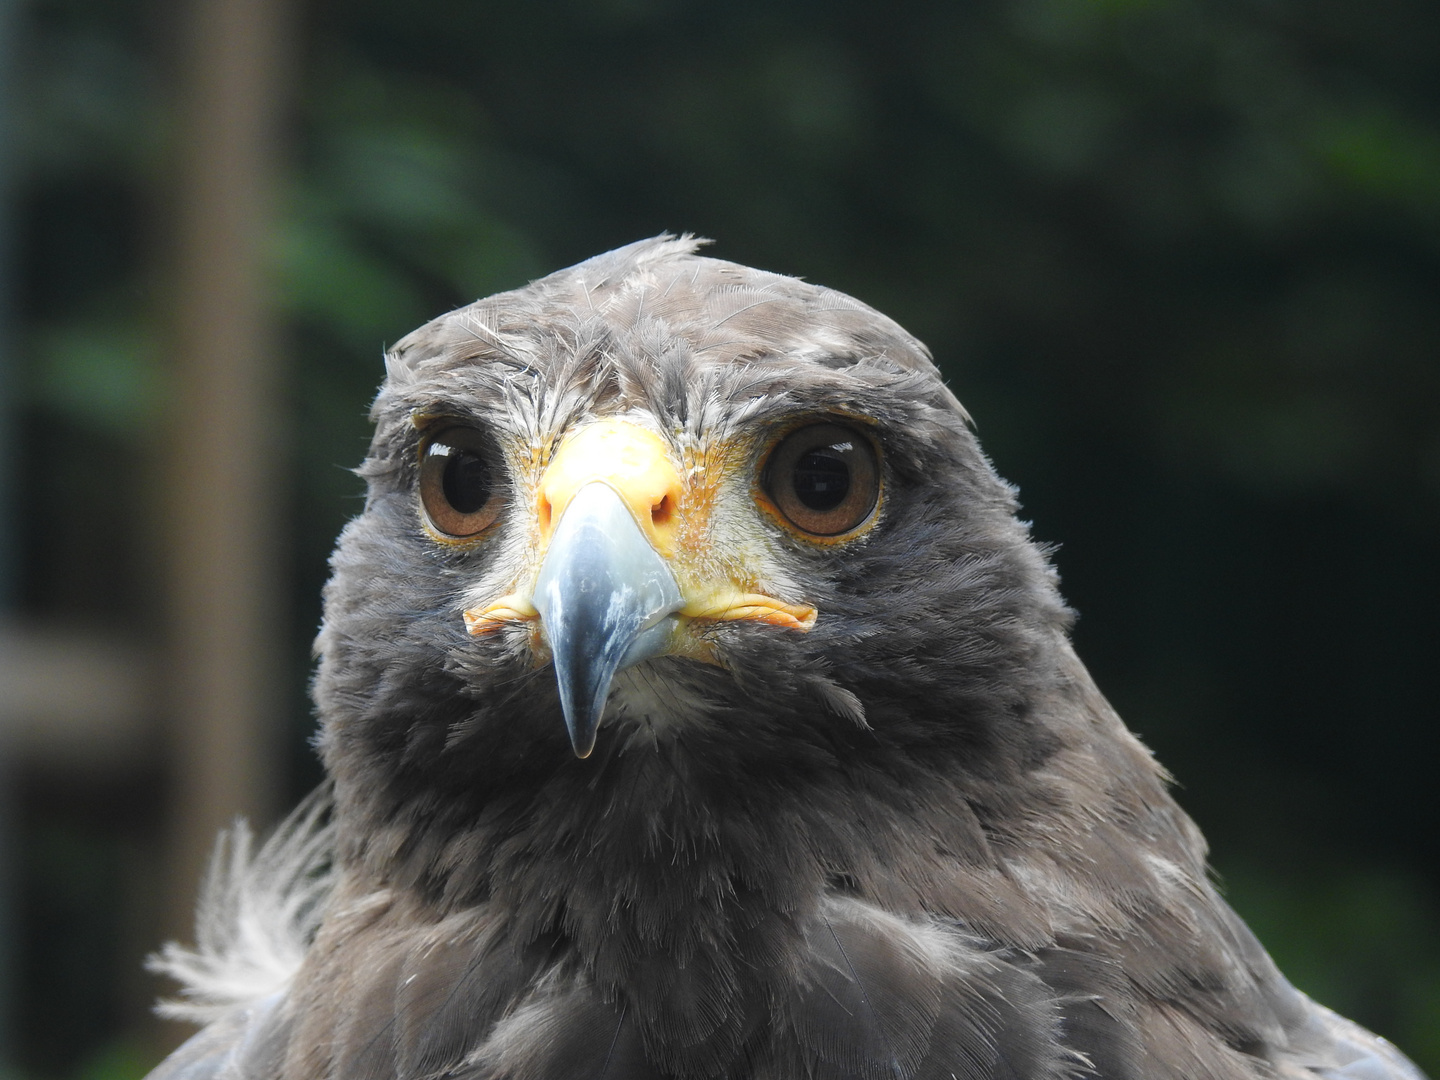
{"x": 696, "y": 707}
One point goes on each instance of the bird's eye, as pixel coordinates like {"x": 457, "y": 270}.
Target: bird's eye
{"x": 460, "y": 485}
{"x": 824, "y": 479}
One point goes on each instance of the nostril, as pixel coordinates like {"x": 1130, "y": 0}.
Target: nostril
{"x": 662, "y": 511}
{"x": 542, "y": 514}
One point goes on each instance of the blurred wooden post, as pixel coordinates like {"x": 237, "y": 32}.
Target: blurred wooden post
{"x": 9, "y": 10}
{"x": 226, "y": 416}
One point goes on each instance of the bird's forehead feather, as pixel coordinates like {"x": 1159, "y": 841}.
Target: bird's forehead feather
{"x": 697, "y": 348}
{"x": 723, "y": 312}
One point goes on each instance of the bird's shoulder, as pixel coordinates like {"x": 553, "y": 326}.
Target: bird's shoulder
{"x": 855, "y": 992}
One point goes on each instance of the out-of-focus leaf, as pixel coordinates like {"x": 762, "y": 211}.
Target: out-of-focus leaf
{"x": 324, "y": 274}
{"x": 1384, "y": 154}
{"x": 123, "y": 1059}
{"x": 102, "y": 371}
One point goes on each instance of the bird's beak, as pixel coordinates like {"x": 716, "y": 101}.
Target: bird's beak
{"x": 615, "y": 520}
{"x": 606, "y": 600}
{"x": 606, "y": 595}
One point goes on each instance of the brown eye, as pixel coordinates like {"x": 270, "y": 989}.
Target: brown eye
{"x": 824, "y": 479}
{"x": 460, "y": 485}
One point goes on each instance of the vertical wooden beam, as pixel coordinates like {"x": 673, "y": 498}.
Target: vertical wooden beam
{"x": 9, "y": 533}
{"x": 227, "y": 415}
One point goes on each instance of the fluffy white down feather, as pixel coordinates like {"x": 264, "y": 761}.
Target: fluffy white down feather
{"x": 256, "y": 915}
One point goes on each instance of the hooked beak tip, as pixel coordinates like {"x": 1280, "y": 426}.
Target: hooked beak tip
{"x": 582, "y": 733}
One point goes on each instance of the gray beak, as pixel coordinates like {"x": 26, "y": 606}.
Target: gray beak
{"x": 607, "y": 599}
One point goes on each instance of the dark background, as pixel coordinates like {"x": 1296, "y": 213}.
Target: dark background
{"x": 1179, "y": 258}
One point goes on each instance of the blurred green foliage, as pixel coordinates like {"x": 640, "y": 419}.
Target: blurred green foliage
{"x": 1180, "y": 259}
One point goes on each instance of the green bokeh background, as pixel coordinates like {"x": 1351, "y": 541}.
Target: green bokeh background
{"x": 1179, "y": 258}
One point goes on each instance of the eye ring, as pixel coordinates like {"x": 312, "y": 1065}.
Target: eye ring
{"x": 824, "y": 480}
{"x": 461, "y": 487}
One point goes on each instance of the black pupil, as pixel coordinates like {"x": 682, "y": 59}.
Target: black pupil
{"x": 466, "y": 481}
{"x": 822, "y": 479}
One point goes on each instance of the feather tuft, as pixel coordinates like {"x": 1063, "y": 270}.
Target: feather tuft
{"x": 256, "y": 915}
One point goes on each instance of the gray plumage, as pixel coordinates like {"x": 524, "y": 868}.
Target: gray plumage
{"x": 913, "y": 842}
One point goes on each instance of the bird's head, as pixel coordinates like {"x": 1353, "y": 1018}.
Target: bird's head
{"x": 661, "y": 499}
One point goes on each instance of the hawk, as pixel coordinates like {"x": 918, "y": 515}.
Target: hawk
{"x": 695, "y": 706}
